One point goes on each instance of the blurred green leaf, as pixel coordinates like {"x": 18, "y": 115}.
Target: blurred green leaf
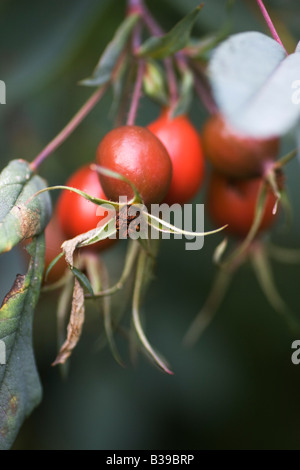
{"x": 20, "y": 219}
{"x": 104, "y": 70}
{"x": 201, "y": 48}
{"x": 185, "y": 93}
{"x": 172, "y": 42}
{"x": 52, "y": 264}
{"x": 83, "y": 280}
{"x": 20, "y": 389}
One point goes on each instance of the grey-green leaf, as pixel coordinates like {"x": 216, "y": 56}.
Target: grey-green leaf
{"x": 21, "y": 217}
{"x": 255, "y": 84}
{"x": 20, "y": 389}
{"x": 173, "y": 41}
{"x": 105, "y": 67}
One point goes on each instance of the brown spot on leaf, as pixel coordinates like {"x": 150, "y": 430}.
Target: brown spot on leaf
{"x": 29, "y": 220}
{"x": 16, "y": 288}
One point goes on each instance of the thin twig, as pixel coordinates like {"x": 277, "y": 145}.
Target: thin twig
{"x": 136, "y": 93}
{"x": 69, "y": 128}
{"x": 270, "y": 23}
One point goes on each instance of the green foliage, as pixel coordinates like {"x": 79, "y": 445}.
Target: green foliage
{"x": 108, "y": 61}
{"x": 21, "y": 216}
{"x": 20, "y": 389}
{"x": 172, "y": 42}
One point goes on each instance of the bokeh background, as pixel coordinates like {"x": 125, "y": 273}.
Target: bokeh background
{"x": 237, "y": 388}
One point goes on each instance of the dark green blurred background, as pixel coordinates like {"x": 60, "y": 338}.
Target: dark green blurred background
{"x": 237, "y": 388}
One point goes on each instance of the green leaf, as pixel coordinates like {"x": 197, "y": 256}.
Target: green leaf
{"x": 105, "y": 67}
{"x": 83, "y": 280}
{"x": 255, "y": 84}
{"x": 21, "y": 216}
{"x": 164, "y": 46}
{"x": 20, "y": 389}
{"x": 185, "y": 93}
{"x": 52, "y": 264}
{"x": 201, "y": 48}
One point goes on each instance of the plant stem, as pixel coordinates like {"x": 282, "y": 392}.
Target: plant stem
{"x": 150, "y": 22}
{"x": 136, "y": 94}
{"x": 69, "y": 128}
{"x": 208, "y": 311}
{"x": 203, "y": 91}
{"x": 134, "y": 6}
{"x": 270, "y": 23}
{"x": 171, "y": 81}
{"x": 286, "y": 159}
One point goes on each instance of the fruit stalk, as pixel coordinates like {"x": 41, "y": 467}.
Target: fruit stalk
{"x": 270, "y": 23}
{"x": 136, "y": 94}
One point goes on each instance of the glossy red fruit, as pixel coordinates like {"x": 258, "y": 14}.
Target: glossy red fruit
{"x": 76, "y": 214}
{"x": 183, "y": 144}
{"x": 231, "y": 201}
{"x": 136, "y": 153}
{"x": 235, "y": 154}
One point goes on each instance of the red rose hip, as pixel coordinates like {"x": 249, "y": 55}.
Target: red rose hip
{"x": 137, "y": 154}
{"x": 76, "y": 214}
{"x": 235, "y": 154}
{"x": 233, "y": 202}
{"x": 183, "y": 144}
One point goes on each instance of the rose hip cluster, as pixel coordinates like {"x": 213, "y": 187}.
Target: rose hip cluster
{"x": 239, "y": 165}
{"x": 164, "y": 162}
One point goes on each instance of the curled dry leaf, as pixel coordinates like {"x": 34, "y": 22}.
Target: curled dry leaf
{"x": 74, "y": 326}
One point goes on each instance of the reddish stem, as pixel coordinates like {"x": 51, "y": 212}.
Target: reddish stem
{"x": 270, "y": 23}
{"x": 136, "y": 94}
{"x": 171, "y": 81}
{"x": 205, "y": 96}
{"x": 69, "y": 128}
{"x": 201, "y": 84}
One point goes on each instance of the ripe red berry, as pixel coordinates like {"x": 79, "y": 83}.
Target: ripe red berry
{"x": 137, "y": 154}
{"x": 235, "y": 154}
{"x": 233, "y": 202}
{"x": 183, "y": 144}
{"x": 75, "y": 213}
